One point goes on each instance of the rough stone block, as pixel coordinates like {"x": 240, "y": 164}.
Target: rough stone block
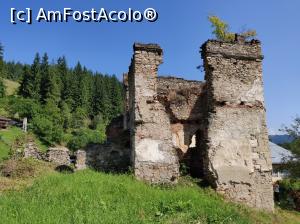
{"x": 59, "y": 155}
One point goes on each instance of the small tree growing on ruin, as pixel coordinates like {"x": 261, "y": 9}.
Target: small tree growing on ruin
{"x": 221, "y": 30}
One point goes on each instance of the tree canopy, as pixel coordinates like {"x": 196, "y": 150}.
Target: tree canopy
{"x": 63, "y": 105}
{"x": 293, "y": 130}
{"x": 2, "y": 86}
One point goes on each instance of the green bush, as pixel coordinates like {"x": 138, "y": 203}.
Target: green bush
{"x": 79, "y": 119}
{"x": 83, "y": 137}
{"x": 21, "y": 107}
{"x": 2, "y": 88}
{"x": 290, "y": 194}
{"x": 65, "y": 115}
{"x": 56, "y": 125}
{"x": 47, "y": 130}
{"x": 99, "y": 122}
{"x": 290, "y": 184}
{"x": 3, "y": 107}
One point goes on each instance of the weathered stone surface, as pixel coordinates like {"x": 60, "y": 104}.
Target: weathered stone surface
{"x": 32, "y": 151}
{"x": 234, "y": 80}
{"x": 81, "y": 160}
{"x": 59, "y": 155}
{"x": 153, "y": 155}
{"x": 183, "y": 99}
{"x": 238, "y": 161}
{"x": 108, "y": 157}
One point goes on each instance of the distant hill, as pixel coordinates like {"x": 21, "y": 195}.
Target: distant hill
{"x": 280, "y": 139}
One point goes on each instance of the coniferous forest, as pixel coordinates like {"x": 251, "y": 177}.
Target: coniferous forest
{"x": 64, "y": 105}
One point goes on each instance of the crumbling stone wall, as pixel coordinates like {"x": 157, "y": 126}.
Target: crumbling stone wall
{"x": 217, "y": 127}
{"x": 107, "y": 157}
{"x": 31, "y": 150}
{"x": 185, "y": 103}
{"x": 112, "y": 156}
{"x": 238, "y": 161}
{"x": 154, "y": 156}
{"x": 59, "y": 155}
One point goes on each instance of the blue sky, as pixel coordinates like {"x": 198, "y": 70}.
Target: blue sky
{"x": 181, "y": 28}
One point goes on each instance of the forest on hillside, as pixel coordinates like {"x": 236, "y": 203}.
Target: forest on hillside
{"x": 64, "y": 105}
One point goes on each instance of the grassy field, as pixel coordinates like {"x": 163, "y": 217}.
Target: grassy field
{"x": 23, "y": 173}
{"x": 11, "y": 87}
{"x": 92, "y": 197}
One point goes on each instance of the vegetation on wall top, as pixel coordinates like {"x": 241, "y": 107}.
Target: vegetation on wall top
{"x": 222, "y": 32}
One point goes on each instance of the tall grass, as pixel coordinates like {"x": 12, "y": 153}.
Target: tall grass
{"x": 91, "y": 197}
{"x": 7, "y": 138}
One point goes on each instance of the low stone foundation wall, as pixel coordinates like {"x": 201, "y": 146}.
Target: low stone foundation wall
{"x": 58, "y": 155}
{"x": 108, "y": 157}
{"x": 32, "y": 151}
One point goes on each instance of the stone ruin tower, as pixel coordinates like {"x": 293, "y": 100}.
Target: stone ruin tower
{"x": 216, "y": 127}
{"x": 154, "y": 156}
{"x": 237, "y": 161}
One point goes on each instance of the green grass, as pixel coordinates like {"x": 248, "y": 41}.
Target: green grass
{"x": 4, "y": 152}
{"x": 11, "y": 87}
{"x": 22, "y": 172}
{"x": 92, "y": 197}
{"x": 41, "y": 145}
{"x": 7, "y": 138}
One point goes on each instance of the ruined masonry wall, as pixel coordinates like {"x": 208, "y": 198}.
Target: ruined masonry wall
{"x": 154, "y": 156}
{"x": 184, "y": 103}
{"x": 182, "y": 98}
{"x": 238, "y": 161}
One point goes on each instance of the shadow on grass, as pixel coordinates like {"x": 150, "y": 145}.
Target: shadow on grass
{"x": 64, "y": 169}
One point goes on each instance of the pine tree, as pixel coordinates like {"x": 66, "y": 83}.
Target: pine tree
{"x": 27, "y": 86}
{"x": 75, "y": 86}
{"x": 35, "y": 70}
{"x": 2, "y": 86}
{"x": 54, "y": 93}
{"x": 116, "y": 96}
{"x": 30, "y": 84}
{"x": 100, "y": 98}
{"x": 13, "y": 71}
{"x": 85, "y": 89}
{"x": 1, "y": 51}
{"x": 50, "y": 82}
{"x": 64, "y": 75}
{"x": 45, "y": 79}
{"x": 81, "y": 88}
